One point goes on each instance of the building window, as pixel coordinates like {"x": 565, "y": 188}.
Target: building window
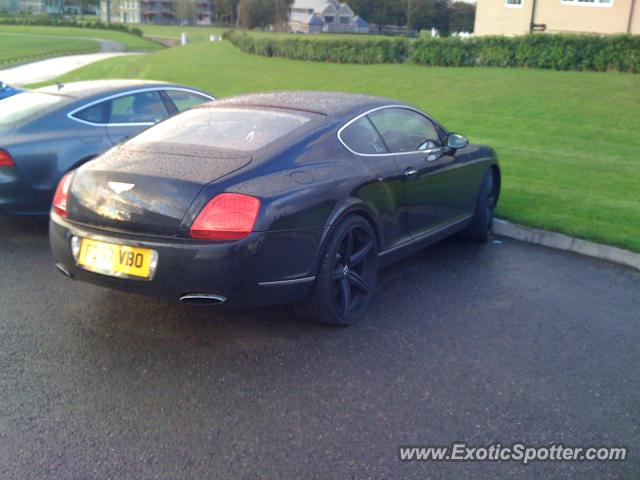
{"x": 588, "y": 3}
{"x": 345, "y": 20}
{"x": 513, "y": 3}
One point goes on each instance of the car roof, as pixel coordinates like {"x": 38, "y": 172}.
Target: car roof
{"x": 330, "y": 104}
{"x": 92, "y": 88}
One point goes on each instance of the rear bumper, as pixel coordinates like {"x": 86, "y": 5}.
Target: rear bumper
{"x": 266, "y": 268}
{"x": 18, "y": 197}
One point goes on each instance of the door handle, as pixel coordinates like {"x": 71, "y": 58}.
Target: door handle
{"x": 410, "y": 172}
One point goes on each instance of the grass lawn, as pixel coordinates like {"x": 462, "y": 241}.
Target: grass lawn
{"x": 130, "y": 42}
{"x": 196, "y": 34}
{"x": 14, "y": 47}
{"x": 569, "y": 142}
{"x": 199, "y": 34}
{"x": 319, "y": 36}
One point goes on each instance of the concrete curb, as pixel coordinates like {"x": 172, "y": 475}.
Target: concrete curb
{"x": 559, "y": 241}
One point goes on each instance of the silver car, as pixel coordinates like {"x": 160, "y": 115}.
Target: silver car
{"x": 47, "y": 132}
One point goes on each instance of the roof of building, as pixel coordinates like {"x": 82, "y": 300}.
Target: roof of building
{"x": 307, "y": 19}
{"x": 315, "y": 20}
{"x": 317, "y": 5}
{"x": 358, "y": 21}
{"x": 345, "y": 10}
{"x": 323, "y": 7}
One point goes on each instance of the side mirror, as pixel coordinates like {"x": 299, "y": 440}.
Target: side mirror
{"x": 456, "y": 141}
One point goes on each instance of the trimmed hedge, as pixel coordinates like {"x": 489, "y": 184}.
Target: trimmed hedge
{"x": 46, "y": 21}
{"x": 549, "y": 51}
{"x": 338, "y": 50}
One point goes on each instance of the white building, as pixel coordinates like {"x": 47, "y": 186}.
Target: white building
{"x": 315, "y": 16}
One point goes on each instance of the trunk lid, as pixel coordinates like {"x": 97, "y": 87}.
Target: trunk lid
{"x": 147, "y": 189}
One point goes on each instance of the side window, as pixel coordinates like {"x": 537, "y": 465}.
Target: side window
{"x": 361, "y": 137}
{"x": 404, "y": 130}
{"x": 185, "y": 100}
{"x": 143, "y": 107}
{"x": 94, "y": 114}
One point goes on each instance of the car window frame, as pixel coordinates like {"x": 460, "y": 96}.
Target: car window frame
{"x": 71, "y": 114}
{"x": 440, "y": 130}
{"x": 165, "y": 96}
{"x": 104, "y": 106}
{"x": 401, "y": 129}
{"x": 160, "y": 100}
{"x": 374, "y": 129}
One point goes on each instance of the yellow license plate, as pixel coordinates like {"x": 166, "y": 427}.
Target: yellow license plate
{"x": 116, "y": 260}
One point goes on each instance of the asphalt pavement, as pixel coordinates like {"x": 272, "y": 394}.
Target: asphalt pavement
{"x": 504, "y": 342}
{"x": 45, "y": 70}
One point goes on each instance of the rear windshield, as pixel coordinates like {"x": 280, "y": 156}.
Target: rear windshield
{"x": 18, "y": 108}
{"x": 242, "y": 130}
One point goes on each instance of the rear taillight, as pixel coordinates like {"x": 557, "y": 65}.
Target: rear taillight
{"x": 5, "y": 159}
{"x": 229, "y": 216}
{"x": 62, "y": 195}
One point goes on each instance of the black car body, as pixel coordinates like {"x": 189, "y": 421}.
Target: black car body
{"x": 312, "y": 163}
{"x": 47, "y": 132}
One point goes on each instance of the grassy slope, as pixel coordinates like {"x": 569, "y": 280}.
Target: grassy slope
{"x": 320, "y": 36}
{"x": 196, "y": 34}
{"x": 130, "y": 42}
{"x": 15, "y": 46}
{"x": 569, "y": 142}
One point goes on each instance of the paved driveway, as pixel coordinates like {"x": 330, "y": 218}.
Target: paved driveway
{"x": 502, "y": 342}
{"x": 51, "y": 68}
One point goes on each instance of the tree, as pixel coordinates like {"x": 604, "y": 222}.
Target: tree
{"x": 383, "y": 12}
{"x": 423, "y": 14}
{"x": 427, "y": 14}
{"x": 417, "y": 14}
{"x": 262, "y": 13}
{"x": 224, "y": 11}
{"x": 186, "y": 10}
{"x": 462, "y": 17}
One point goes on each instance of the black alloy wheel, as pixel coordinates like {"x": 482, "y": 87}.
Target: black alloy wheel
{"x": 351, "y": 271}
{"x": 347, "y": 275}
{"x": 481, "y": 223}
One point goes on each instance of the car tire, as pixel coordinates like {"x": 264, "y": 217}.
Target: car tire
{"x": 346, "y": 277}
{"x": 479, "y": 228}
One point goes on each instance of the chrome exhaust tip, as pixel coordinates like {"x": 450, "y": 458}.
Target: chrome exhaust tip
{"x": 202, "y": 299}
{"x": 64, "y": 271}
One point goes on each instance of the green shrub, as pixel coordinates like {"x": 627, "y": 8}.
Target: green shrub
{"x": 549, "y": 51}
{"x": 444, "y": 52}
{"x": 558, "y": 52}
{"x": 338, "y": 50}
{"x": 47, "y": 21}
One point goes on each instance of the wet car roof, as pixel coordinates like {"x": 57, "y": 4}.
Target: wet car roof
{"x": 97, "y": 87}
{"x": 334, "y": 104}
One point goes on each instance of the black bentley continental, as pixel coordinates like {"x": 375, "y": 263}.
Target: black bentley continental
{"x": 281, "y": 198}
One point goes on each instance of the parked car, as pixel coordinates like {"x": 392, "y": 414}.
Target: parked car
{"x": 272, "y": 199}
{"x": 47, "y": 132}
{"x": 6, "y": 91}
